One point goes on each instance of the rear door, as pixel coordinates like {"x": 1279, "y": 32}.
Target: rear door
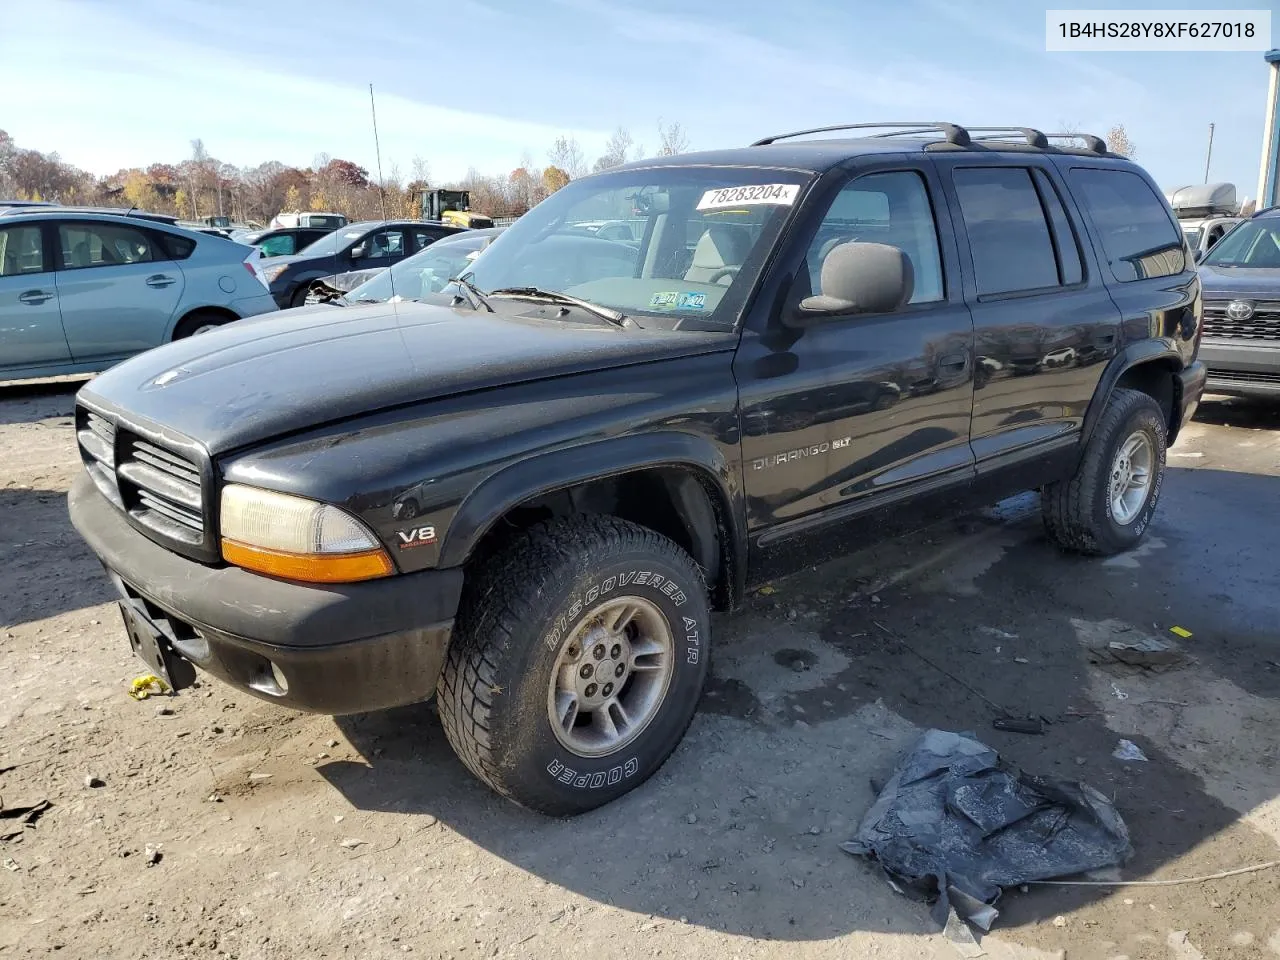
{"x": 1044, "y": 322}
{"x": 382, "y": 248}
{"x": 30, "y": 322}
{"x": 117, "y": 289}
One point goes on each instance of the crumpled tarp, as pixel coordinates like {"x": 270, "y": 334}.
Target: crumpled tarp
{"x": 957, "y": 823}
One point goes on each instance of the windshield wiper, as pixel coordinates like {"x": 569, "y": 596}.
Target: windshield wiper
{"x": 464, "y": 281}
{"x": 552, "y": 296}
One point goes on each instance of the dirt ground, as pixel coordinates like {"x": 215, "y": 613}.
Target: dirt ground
{"x": 227, "y": 827}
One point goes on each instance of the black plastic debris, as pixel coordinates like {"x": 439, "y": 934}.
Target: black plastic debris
{"x": 956, "y": 824}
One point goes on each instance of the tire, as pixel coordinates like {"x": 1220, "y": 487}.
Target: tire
{"x": 537, "y": 604}
{"x": 201, "y": 321}
{"x": 299, "y": 298}
{"x": 1080, "y": 513}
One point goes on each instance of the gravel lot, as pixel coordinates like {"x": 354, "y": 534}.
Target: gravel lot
{"x": 225, "y": 826}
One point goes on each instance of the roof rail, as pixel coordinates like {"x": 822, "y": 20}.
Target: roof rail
{"x": 1091, "y": 143}
{"x": 953, "y": 134}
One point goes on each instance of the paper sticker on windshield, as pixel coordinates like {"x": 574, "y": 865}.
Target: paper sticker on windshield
{"x": 692, "y": 301}
{"x": 664, "y": 301}
{"x": 780, "y": 194}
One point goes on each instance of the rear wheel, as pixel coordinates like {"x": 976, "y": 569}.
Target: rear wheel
{"x": 299, "y": 297}
{"x": 1107, "y": 505}
{"x": 576, "y": 664}
{"x": 201, "y": 321}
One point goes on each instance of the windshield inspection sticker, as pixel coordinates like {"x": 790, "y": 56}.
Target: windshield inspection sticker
{"x": 692, "y": 301}
{"x": 664, "y": 301}
{"x": 780, "y": 194}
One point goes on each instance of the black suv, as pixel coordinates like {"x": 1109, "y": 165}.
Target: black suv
{"x": 1241, "y": 276}
{"x": 527, "y": 498}
{"x": 371, "y": 244}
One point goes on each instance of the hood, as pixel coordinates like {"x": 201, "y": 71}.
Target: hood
{"x": 1249, "y": 283}
{"x": 250, "y": 381}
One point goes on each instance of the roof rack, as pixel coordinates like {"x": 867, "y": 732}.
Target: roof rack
{"x": 953, "y": 133}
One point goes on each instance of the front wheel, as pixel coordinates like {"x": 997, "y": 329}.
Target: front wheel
{"x": 1106, "y": 506}
{"x": 576, "y": 664}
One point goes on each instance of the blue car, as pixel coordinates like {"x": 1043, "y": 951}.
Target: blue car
{"x": 81, "y": 291}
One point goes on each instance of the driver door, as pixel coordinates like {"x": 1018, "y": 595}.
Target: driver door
{"x": 848, "y": 418}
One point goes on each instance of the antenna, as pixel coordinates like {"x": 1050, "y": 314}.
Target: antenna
{"x": 382, "y": 192}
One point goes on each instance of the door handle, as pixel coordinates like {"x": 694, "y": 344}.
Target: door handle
{"x": 955, "y": 361}
{"x": 35, "y": 297}
{"x": 159, "y": 280}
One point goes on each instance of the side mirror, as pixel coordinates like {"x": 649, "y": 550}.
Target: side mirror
{"x": 858, "y": 278}
{"x": 358, "y": 251}
{"x": 1200, "y": 255}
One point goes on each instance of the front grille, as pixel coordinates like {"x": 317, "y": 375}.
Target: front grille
{"x": 1241, "y": 376}
{"x": 159, "y": 485}
{"x": 160, "y": 488}
{"x": 1263, "y": 325}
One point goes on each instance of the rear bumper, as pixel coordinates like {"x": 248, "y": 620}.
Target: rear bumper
{"x": 252, "y": 306}
{"x": 1242, "y": 369}
{"x": 1191, "y": 381}
{"x": 346, "y": 648}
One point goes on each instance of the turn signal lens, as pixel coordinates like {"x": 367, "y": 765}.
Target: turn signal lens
{"x": 338, "y": 568}
{"x": 296, "y": 538}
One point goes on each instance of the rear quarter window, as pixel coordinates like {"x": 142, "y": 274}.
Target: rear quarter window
{"x": 1138, "y": 236}
{"x": 174, "y": 246}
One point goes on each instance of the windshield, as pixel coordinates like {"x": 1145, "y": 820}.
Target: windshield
{"x": 331, "y": 243}
{"x": 695, "y": 239}
{"x": 1193, "y": 237}
{"x": 428, "y": 271}
{"x": 1253, "y": 243}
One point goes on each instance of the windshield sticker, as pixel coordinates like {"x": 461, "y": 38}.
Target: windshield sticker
{"x": 780, "y": 194}
{"x": 664, "y": 301}
{"x": 692, "y": 301}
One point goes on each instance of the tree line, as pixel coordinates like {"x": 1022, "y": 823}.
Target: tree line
{"x": 203, "y": 186}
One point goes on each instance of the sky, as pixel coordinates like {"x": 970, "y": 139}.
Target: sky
{"x": 481, "y": 83}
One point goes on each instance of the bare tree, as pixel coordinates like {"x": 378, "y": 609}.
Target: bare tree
{"x": 421, "y": 170}
{"x": 615, "y": 151}
{"x": 566, "y": 155}
{"x": 674, "y": 139}
{"x": 1118, "y": 141}
{"x": 1071, "y": 127}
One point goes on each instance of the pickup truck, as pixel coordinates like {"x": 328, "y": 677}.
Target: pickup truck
{"x": 525, "y": 495}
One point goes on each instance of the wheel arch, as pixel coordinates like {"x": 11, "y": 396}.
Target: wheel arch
{"x": 227, "y": 314}
{"x": 1150, "y": 366}
{"x": 676, "y": 484}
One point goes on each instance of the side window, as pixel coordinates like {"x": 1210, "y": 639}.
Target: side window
{"x": 104, "y": 245}
{"x": 21, "y": 251}
{"x": 278, "y": 246}
{"x": 1008, "y": 234}
{"x": 890, "y": 208}
{"x": 1138, "y": 236}
{"x": 1066, "y": 244}
{"x": 174, "y": 247}
{"x": 422, "y": 239}
{"x": 388, "y": 243}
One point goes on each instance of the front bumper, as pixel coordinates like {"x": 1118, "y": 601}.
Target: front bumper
{"x": 342, "y": 648}
{"x": 1242, "y": 369}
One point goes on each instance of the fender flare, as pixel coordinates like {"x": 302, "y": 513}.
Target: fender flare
{"x": 1136, "y": 354}
{"x": 546, "y": 473}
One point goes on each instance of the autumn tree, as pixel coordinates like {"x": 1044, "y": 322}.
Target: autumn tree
{"x": 553, "y": 178}
{"x": 344, "y": 173}
{"x": 140, "y": 192}
{"x": 1118, "y": 141}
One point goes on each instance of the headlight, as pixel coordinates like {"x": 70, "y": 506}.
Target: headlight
{"x": 272, "y": 272}
{"x": 297, "y": 539}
